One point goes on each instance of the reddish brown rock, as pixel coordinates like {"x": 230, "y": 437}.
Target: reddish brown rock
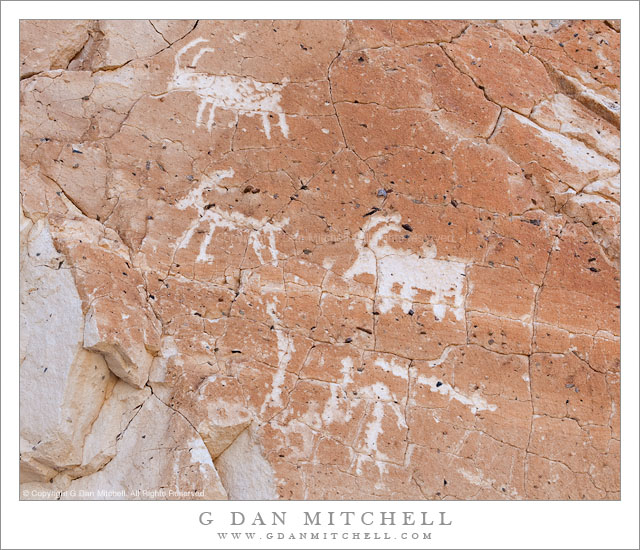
{"x": 320, "y": 259}
{"x": 508, "y": 76}
{"x": 363, "y": 34}
{"x": 413, "y": 77}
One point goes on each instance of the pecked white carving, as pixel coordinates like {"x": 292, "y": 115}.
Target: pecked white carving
{"x": 242, "y": 95}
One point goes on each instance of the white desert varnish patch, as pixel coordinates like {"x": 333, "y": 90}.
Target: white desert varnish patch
{"x": 244, "y": 471}
{"x": 331, "y": 411}
{"x": 285, "y": 351}
{"x": 476, "y": 402}
{"x": 200, "y": 455}
{"x": 242, "y": 95}
{"x": 168, "y": 351}
{"x": 52, "y": 358}
{"x": 392, "y": 367}
{"x": 347, "y": 369}
{"x": 477, "y": 479}
{"x": 609, "y": 188}
{"x": 574, "y": 152}
{"x": 374, "y": 428}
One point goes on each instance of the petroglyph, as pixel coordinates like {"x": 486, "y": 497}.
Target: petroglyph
{"x": 241, "y": 95}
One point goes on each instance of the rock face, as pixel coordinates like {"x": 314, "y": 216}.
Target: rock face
{"x": 320, "y": 259}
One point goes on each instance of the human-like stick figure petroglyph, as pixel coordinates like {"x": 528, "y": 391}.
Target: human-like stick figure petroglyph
{"x": 240, "y": 94}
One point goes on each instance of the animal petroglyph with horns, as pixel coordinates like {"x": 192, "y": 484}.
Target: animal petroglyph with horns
{"x": 242, "y": 95}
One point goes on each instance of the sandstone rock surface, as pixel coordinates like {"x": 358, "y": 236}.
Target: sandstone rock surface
{"x": 320, "y": 259}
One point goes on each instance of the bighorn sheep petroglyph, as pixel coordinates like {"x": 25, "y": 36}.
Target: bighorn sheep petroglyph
{"x": 240, "y": 94}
